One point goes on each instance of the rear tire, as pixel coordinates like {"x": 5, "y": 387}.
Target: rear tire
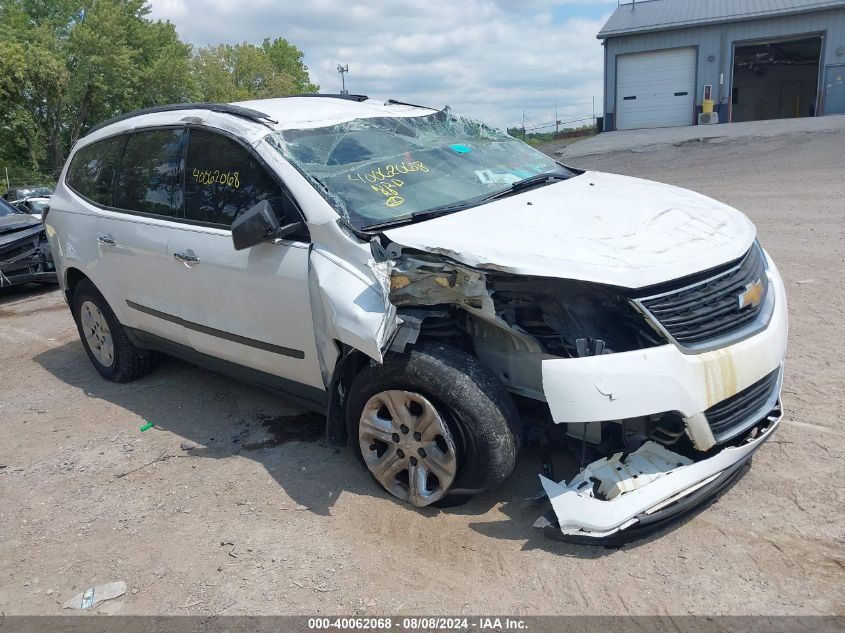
{"x": 104, "y": 339}
{"x": 460, "y": 407}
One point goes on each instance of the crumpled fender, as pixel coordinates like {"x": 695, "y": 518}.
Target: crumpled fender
{"x": 350, "y": 306}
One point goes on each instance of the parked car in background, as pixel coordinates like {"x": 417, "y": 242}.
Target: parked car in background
{"x": 416, "y": 274}
{"x": 27, "y": 191}
{"x": 24, "y": 250}
{"x": 33, "y": 205}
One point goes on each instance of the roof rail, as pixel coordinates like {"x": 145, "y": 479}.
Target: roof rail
{"x": 348, "y": 97}
{"x": 225, "y": 108}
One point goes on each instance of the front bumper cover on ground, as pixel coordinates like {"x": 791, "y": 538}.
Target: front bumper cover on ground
{"x": 578, "y": 516}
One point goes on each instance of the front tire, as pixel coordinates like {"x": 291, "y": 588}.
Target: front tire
{"x": 433, "y": 425}
{"x": 104, "y": 339}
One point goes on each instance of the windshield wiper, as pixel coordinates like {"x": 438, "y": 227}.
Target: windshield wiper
{"x": 428, "y": 214}
{"x": 528, "y": 183}
{"x": 419, "y": 216}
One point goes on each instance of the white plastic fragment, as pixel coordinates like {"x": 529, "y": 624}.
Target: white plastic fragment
{"x": 93, "y": 596}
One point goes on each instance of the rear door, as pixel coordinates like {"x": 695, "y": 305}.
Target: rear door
{"x": 655, "y": 89}
{"x": 133, "y": 233}
{"x": 250, "y": 307}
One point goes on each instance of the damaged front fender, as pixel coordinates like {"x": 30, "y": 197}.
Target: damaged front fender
{"x": 349, "y": 307}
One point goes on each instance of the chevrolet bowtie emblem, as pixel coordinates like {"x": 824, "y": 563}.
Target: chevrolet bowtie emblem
{"x": 752, "y": 295}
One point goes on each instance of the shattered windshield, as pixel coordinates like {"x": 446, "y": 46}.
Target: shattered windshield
{"x": 380, "y": 170}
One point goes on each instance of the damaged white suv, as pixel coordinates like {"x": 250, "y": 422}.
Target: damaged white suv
{"x": 417, "y": 275}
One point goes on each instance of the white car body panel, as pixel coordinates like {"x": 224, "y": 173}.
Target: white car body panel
{"x": 355, "y": 310}
{"x": 309, "y": 112}
{"x": 596, "y": 227}
{"x": 258, "y": 297}
{"x": 135, "y": 265}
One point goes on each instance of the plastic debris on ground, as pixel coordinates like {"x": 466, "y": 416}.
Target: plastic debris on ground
{"x": 93, "y": 596}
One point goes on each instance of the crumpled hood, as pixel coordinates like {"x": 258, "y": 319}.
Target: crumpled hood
{"x": 15, "y": 222}
{"x": 595, "y": 227}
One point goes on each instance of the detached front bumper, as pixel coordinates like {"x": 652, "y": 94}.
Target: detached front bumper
{"x": 670, "y": 489}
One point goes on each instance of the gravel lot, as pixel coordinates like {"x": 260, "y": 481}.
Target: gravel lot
{"x": 262, "y": 517}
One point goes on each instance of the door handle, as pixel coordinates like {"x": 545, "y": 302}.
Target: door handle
{"x": 188, "y": 259}
{"x": 106, "y": 239}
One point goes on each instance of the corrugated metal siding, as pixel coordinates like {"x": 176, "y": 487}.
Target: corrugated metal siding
{"x": 718, "y": 40}
{"x": 651, "y": 15}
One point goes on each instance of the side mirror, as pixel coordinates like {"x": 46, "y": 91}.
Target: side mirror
{"x": 258, "y": 225}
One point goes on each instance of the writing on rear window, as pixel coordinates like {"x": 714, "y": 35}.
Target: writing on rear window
{"x": 209, "y": 177}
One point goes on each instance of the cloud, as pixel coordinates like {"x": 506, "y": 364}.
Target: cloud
{"x": 486, "y": 58}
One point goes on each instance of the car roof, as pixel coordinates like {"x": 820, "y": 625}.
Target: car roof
{"x": 251, "y": 119}
{"x": 299, "y": 112}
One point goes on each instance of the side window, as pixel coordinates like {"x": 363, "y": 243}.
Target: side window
{"x": 149, "y": 177}
{"x": 222, "y": 180}
{"x": 92, "y": 169}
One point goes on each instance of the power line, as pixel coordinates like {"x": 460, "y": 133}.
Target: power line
{"x": 551, "y": 125}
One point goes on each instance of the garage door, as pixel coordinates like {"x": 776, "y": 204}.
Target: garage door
{"x": 655, "y": 89}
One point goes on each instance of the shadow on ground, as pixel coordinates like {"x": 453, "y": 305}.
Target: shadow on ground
{"x": 223, "y": 418}
{"x": 24, "y": 292}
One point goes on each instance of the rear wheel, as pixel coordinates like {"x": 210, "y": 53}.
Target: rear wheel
{"x": 104, "y": 339}
{"x": 433, "y": 426}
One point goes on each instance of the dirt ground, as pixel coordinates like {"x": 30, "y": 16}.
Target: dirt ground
{"x": 263, "y": 517}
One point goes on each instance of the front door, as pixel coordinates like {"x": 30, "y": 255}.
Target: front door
{"x": 834, "y": 89}
{"x": 250, "y": 307}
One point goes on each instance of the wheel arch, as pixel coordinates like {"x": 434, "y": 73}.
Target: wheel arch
{"x": 72, "y": 278}
{"x": 350, "y": 362}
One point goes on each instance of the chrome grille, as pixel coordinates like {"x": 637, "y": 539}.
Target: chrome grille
{"x": 734, "y": 415}
{"x": 699, "y": 314}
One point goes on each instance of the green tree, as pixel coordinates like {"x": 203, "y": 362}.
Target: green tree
{"x": 238, "y": 72}
{"x": 68, "y": 64}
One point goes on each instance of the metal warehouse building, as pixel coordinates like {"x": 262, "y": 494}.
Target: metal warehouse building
{"x": 754, "y": 59}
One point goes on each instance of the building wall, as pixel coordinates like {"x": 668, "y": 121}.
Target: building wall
{"x": 717, "y": 40}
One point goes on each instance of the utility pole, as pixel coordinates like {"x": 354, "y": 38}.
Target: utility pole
{"x": 523, "y": 124}
{"x": 594, "y": 111}
{"x": 343, "y": 70}
{"x": 557, "y": 121}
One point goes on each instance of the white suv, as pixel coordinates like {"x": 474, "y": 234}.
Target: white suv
{"x": 416, "y": 274}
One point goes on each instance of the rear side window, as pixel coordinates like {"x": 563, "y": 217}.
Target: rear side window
{"x": 222, "y": 180}
{"x": 92, "y": 169}
{"x": 149, "y": 177}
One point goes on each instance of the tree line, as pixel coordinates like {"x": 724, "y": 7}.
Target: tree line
{"x": 66, "y": 65}
{"x": 540, "y": 138}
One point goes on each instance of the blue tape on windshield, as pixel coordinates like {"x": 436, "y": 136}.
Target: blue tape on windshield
{"x": 461, "y": 149}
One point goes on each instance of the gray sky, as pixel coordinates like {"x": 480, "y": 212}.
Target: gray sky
{"x": 485, "y": 58}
